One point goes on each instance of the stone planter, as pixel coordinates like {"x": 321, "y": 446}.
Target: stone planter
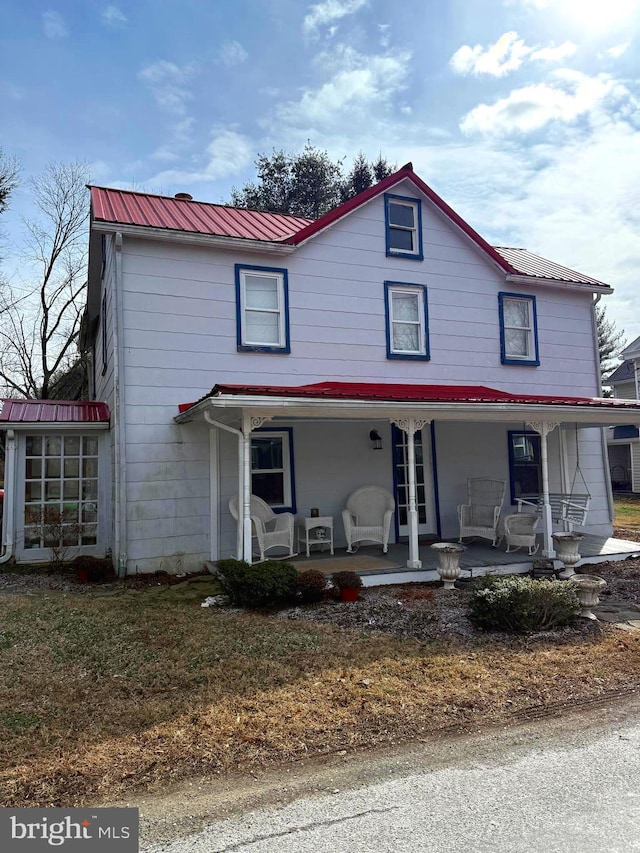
{"x": 568, "y": 551}
{"x": 588, "y": 588}
{"x": 448, "y": 561}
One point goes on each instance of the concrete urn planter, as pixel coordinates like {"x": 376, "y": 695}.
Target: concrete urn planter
{"x": 588, "y": 589}
{"x": 568, "y": 551}
{"x": 448, "y": 561}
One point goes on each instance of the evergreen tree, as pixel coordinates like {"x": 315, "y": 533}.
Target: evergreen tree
{"x": 610, "y": 341}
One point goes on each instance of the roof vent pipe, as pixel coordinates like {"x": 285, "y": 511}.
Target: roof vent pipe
{"x": 184, "y": 196}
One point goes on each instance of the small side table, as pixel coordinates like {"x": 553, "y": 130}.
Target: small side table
{"x": 308, "y": 525}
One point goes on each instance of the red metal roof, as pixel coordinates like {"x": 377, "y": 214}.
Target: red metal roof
{"x": 526, "y": 263}
{"x": 154, "y": 211}
{"x": 53, "y": 411}
{"x": 410, "y": 394}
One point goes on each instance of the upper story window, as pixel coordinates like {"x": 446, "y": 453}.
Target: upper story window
{"x": 403, "y": 227}
{"x": 406, "y": 320}
{"x": 263, "y": 309}
{"x": 518, "y": 329}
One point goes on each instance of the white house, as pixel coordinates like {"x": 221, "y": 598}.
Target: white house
{"x": 386, "y": 343}
{"x": 623, "y": 440}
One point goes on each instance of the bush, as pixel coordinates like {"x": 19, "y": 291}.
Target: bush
{"x": 346, "y": 580}
{"x": 519, "y": 604}
{"x": 311, "y": 585}
{"x": 93, "y": 569}
{"x": 257, "y": 585}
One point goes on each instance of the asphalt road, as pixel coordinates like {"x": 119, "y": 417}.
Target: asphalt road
{"x": 555, "y": 788}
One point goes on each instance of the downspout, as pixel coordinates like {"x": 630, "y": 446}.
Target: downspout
{"x": 240, "y": 437}
{"x": 120, "y": 475}
{"x": 9, "y": 495}
{"x": 603, "y": 438}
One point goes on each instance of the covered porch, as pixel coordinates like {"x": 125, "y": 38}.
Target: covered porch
{"x": 479, "y": 417}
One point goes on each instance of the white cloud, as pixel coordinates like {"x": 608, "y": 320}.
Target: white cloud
{"x": 530, "y": 108}
{"x": 180, "y": 138}
{"x": 506, "y": 55}
{"x": 232, "y": 53}
{"x": 554, "y": 54}
{"x": 617, "y": 50}
{"x": 54, "y": 25}
{"x": 227, "y": 154}
{"x": 168, "y": 83}
{"x": 113, "y": 17}
{"x": 358, "y": 84}
{"x": 325, "y": 13}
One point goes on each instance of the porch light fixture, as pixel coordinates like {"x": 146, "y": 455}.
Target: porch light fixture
{"x": 376, "y": 440}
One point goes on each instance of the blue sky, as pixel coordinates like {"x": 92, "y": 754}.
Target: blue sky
{"x": 523, "y": 114}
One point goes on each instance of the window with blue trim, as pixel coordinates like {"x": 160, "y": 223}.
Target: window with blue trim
{"x": 263, "y": 309}
{"x": 406, "y": 319}
{"x": 525, "y": 464}
{"x": 403, "y": 226}
{"x": 272, "y": 468}
{"x": 518, "y": 329}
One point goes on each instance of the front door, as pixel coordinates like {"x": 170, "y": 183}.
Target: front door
{"x": 424, "y": 500}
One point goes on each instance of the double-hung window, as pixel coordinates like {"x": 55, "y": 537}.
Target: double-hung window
{"x": 263, "y": 309}
{"x": 403, "y": 227}
{"x": 272, "y": 468}
{"x": 518, "y": 329}
{"x": 406, "y": 320}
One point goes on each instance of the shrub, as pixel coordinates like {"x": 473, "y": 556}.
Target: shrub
{"x": 311, "y": 585}
{"x": 93, "y": 569}
{"x": 258, "y": 584}
{"x": 519, "y": 604}
{"x": 346, "y": 580}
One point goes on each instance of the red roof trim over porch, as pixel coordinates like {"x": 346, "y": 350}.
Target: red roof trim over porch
{"x": 53, "y": 411}
{"x": 409, "y": 394}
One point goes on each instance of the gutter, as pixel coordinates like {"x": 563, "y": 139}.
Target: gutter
{"x": 592, "y": 287}
{"x": 120, "y": 453}
{"x": 9, "y": 495}
{"x": 191, "y": 238}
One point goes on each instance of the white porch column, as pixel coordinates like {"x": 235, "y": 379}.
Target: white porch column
{"x": 544, "y": 428}
{"x": 410, "y": 426}
{"x": 249, "y": 423}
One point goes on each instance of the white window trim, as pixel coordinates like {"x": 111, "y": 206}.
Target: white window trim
{"x": 419, "y": 294}
{"x": 286, "y": 470}
{"x": 280, "y": 310}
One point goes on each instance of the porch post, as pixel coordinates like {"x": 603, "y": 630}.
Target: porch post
{"x": 410, "y": 426}
{"x": 245, "y": 497}
{"x": 544, "y": 429}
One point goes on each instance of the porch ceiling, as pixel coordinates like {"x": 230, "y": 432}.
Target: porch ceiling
{"x": 351, "y": 401}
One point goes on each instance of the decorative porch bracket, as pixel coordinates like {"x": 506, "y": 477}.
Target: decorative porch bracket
{"x": 410, "y": 426}
{"x": 249, "y": 423}
{"x": 543, "y": 428}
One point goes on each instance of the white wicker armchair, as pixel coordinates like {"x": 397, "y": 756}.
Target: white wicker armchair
{"x": 520, "y": 531}
{"x": 269, "y": 529}
{"x": 480, "y": 516}
{"x": 367, "y": 517}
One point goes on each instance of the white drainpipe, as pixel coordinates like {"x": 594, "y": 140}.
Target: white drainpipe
{"x": 8, "y": 514}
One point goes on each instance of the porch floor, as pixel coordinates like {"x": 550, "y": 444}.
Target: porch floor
{"x": 377, "y": 568}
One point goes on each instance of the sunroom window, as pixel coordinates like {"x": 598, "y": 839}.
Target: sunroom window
{"x": 61, "y": 483}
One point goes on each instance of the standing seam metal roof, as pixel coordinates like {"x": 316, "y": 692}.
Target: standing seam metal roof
{"x": 52, "y": 411}
{"x": 526, "y": 263}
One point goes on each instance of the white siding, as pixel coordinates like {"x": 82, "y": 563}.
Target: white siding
{"x": 180, "y": 339}
{"x": 635, "y": 466}
{"x": 625, "y": 390}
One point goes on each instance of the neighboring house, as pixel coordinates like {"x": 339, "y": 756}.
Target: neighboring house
{"x": 386, "y": 343}
{"x": 624, "y": 440}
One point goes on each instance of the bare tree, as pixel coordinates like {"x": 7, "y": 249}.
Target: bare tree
{"x": 9, "y": 173}
{"x": 39, "y": 330}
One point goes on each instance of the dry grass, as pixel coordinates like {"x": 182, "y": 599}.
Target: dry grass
{"x": 627, "y": 516}
{"x": 100, "y": 697}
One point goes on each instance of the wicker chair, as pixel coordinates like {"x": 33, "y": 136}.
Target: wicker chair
{"x": 520, "y": 531}
{"x": 367, "y": 517}
{"x": 282, "y": 525}
{"x": 480, "y": 516}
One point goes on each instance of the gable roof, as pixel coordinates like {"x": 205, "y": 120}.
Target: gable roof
{"x": 623, "y": 373}
{"x": 126, "y": 207}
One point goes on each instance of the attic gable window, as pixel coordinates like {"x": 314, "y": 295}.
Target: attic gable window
{"x": 262, "y": 304}
{"x": 403, "y": 227}
{"x": 518, "y": 329}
